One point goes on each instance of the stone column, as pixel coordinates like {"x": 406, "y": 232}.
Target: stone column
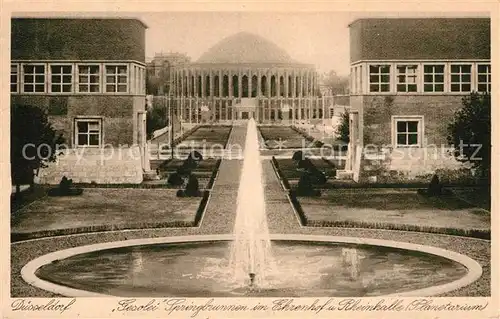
{"x": 259, "y": 83}
{"x": 286, "y": 84}
{"x": 190, "y": 113}
{"x": 250, "y": 78}
{"x": 211, "y": 83}
{"x": 220, "y": 83}
{"x": 301, "y": 78}
{"x": 181, "y": 77}
{"x": 220, "y": 112}
{"x": 230, "y": 84}
{"x": 278, "y": 85}
{"x": 202, "y": 83}
{"x": 269, "y": 75}
{"x": 240, "y": 78}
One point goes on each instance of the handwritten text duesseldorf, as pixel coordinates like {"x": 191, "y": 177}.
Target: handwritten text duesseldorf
{"x": 176, "y": 305}
{"x": 53, "y": 305}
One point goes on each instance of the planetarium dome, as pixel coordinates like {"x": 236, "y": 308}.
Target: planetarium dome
{"x": 245, "y": 47}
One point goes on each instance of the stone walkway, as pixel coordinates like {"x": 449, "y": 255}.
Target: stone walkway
{"x": 280, "y": 215}
{"x": 221, "y": 211}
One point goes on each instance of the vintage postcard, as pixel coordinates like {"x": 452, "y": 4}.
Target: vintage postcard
{"x": 249, "y": 160}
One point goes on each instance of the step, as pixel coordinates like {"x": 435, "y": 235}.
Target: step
{"x": 344, "y": 174}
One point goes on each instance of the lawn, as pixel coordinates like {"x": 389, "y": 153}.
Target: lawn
{"x": 289, "y": 169}
{"x": 393, "y": 206}
{"x": 203, "y": 172}
{"x": 121, "y": 207}
{"x": 283, "y": 137}
{"x": 206, "y": 137}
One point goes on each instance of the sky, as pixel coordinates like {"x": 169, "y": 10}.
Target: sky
{"x": 318, "y": 38}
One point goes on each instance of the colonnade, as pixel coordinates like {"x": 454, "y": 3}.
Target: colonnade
{"x": 190, "y": 109}
{"x": 205, "y": 81}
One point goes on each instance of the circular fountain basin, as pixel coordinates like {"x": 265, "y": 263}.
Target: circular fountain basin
{"x": 306, "y": 266}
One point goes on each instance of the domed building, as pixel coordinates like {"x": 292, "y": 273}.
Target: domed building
{"x": 244, "y": 76}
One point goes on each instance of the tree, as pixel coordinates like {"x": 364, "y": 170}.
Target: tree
{"x": 470, "y": 132}
{"x": 34, "y": 143}
{"x": 336, "y": 84}
{"x": 156, "y": 118}
{"x": 342, "y": 130}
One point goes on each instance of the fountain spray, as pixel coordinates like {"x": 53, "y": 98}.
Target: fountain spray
{"x": 251, "y": 256}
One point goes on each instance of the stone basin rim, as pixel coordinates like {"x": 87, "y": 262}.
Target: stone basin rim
{"x": 474, "y": 269}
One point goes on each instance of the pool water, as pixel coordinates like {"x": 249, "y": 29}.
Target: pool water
{"x": 301, "y": 269}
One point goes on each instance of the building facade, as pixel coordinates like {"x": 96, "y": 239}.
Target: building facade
{"x": 244, "y": 76}
{"x": 408, "y": 77}
{"x": 89, "y": 75}
{"x": 159, "y": 78}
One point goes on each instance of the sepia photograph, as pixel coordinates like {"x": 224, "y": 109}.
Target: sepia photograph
{"x": 338, "y": 157}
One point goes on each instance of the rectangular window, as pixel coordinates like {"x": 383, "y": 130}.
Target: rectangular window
{"x": 14, "y": 77}
{"x": 88, "y": 132}
{"x": 408, "y": 131}
{"x": 460, "y": 78}
{"x": 34, "y": 78}
{"x": 407, "y": 78}
{"x": 433, "y": 78}
{"x": 332, "y": 112}
{"x": 380, "y": 78}
{"x": 61, "y": 78}
{"x": 116, "y": 78}
{"x": 484, "y": 78}
{"x": 89, "y": 78}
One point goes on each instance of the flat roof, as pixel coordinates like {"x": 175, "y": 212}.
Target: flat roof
{"x": 420, "y": 19}
{"x": 27, "y": 17}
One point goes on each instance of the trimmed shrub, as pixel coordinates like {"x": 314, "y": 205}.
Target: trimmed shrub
{"x": 180, "y": 193}
{"x": 298, "y": 155}
{"x": 192, "y": 187}
{"x": 435, "y": 187}
{"x": 305, "y": 164}
{"x": 195, "y": 155}
{"x": 187, "y": 166}
{"x": 305, "y": 187}
{"x": 65, "y": 188}
{"x": 175, "y": 179}
{"x": 318, "y": 177}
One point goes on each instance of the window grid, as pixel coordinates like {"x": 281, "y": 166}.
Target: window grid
{"x": 380, "y": 78}
{"x": 89, "y": 78}
{"x": 460, "y": 78}
{"x": 116, "y": 78}
{"x": 406, "y": 78}
{"x": 61, "y": 78}
{"x": 434, "y": 78}
{"x": 407, "y": 133}
{"x": 88, "y": 132}
{"x": 484, "y": 77}
{"x": 14, "y": 78}
{"x": 33, "y": 78}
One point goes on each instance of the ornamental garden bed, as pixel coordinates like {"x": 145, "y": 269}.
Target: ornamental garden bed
{"x": 394, "y": 209}
{"x": 206, "y": 136}
{"x": 290, "y": 174}
{"x": 286, "y": 137}
{"x": 205, "y": 172}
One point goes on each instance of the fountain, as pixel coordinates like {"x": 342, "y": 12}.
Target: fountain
{"x": 251, "y": 256}
{"x": 251, "y": 262}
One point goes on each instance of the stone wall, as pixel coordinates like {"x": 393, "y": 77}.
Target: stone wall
{"x": 388, "y": 165}
{"x": 437, "y": 111}
{"x": 102, "y": 166}
{"x": 117, "y": 112}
